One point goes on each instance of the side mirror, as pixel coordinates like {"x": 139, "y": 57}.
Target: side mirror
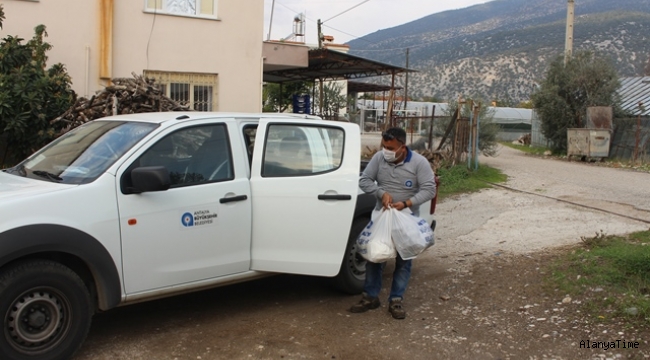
{"x": 150, "y": 178}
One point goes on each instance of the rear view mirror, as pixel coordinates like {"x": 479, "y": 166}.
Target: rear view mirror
{"x": 150, "y": 178}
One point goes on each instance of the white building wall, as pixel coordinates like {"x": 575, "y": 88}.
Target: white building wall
{"x": 230, "y": 46}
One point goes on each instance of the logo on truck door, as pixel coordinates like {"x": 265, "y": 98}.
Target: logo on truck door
{"x": 198, "y": 218}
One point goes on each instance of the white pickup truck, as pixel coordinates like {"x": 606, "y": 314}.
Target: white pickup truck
{"x": 136, "y": 207}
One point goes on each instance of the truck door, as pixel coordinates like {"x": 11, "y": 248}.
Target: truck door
{"x": 198, "y": 229}
{"x": 304, "y": 183}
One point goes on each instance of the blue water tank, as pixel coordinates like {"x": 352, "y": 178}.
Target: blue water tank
{"x": 301, "y": 104}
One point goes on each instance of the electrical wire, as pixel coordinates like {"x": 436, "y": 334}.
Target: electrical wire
{"x": 327, "y": 26}
{"x": 155, "y": 12}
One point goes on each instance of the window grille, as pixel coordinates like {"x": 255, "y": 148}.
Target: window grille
{"x": 199, "y": 8}
{"x": 198, "y": 91}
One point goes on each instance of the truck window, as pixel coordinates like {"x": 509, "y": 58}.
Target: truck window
{"x": 301, "y": 150}
{"x": 193, "y": 156}
{"x": 249, "y": 139}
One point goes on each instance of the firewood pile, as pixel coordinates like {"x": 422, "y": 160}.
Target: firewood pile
{"x": 124, "y": 96}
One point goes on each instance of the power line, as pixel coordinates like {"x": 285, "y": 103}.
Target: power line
{"x": 402, "y": 48}
{"x": 355, "y": 6}
{"x": 354, "y": 36}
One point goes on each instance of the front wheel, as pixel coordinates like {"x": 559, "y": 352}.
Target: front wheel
{"x": 352, "y": 274}
{"x": 46, "y": 310}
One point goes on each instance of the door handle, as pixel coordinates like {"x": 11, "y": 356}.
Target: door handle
{"x": 233, "y": 199}
{"x": 334, "y": 197}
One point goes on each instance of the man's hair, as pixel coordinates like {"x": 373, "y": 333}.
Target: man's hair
{"x": 395, "y": 133}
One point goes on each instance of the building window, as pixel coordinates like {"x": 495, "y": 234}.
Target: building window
{"x": 197, "y": 8}
{"x": 198, "y": 91}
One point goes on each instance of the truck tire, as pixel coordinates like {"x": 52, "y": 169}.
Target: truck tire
{"x": 46, "y": 310}
{"x": 352, "y": 274}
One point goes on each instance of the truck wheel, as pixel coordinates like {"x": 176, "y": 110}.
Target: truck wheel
{"x": 353, "y": 268}
{"x": 46, "y": 310}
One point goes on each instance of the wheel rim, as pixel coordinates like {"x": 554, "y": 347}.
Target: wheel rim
{"x": 37, "y": 320}
{"x": 357, "y": 263}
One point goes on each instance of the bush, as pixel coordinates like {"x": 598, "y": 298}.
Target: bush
{"x": 30, "y": 95}
{"x": 566, "y": 92}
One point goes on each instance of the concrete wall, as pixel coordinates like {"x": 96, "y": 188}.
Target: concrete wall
{"x": 135, "y": 40}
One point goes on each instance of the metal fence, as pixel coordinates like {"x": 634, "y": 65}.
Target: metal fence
{"x": 631, "y": 139}
{"x": 536, "y": 137}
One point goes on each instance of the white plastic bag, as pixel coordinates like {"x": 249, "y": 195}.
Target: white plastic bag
{"x": 375, "y": 243}
{"x": 411, "y": 234}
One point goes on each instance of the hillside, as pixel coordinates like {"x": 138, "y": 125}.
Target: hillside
{"x": 501, "y": 49}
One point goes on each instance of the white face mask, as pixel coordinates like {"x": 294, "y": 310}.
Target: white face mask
{"x": 389, "y": 155}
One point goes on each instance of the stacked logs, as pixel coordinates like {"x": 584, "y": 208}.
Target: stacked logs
{"x": 124, "y": 96}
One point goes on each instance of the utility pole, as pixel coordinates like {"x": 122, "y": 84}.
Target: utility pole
{"x": 268, "y": 38}
{"x": 568, "y": 44}
{"x": 319, "y": 24}
{"x": 406, "y": 83}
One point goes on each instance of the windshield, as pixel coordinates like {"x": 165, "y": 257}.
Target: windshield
{"x": 83, "y": 154}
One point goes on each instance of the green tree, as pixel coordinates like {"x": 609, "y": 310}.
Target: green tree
{"x": 566, "y": 92}
{"x": 333, "y": 100}
{"x": 526, "y": 104}
{"x": 30, "y": 95}
{"x": 279, "y": 97}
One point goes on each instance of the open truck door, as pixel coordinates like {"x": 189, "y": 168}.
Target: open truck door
{"x": 304, "y": 182}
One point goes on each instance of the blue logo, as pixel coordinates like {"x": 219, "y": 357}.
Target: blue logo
{"x": 187, "y": 219}
{"x": 408, "y": 184}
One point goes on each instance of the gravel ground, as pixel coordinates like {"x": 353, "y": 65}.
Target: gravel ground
{"x": 477, "y": 294}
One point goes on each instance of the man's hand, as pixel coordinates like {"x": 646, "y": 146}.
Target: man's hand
{"x": 386, "y": 200}
{"x": 401, "y": 205}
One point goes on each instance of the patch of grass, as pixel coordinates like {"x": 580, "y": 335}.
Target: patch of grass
{"x": 611, "y": 274}
{"x": 534, "y": 150}
{"x": 458, "y": 179}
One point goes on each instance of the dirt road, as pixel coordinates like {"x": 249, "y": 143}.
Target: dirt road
{"x": 487, "y": 265}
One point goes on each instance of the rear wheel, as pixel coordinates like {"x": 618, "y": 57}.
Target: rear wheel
{"x": 353, "y": 268}
{"x": 46, "y": 310}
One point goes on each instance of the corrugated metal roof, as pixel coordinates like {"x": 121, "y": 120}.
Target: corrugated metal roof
{"x": 634, "y": 90}
{"x": 500, "y": 115}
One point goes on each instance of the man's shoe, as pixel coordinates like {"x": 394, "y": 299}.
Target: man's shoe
{"x": 366, "y": 303}
{"x": 395, "y": 308}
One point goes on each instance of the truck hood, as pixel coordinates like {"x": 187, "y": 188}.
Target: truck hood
{"x": 12, "y": 186}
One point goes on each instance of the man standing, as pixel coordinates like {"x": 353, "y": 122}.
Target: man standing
{"x": 399, "y": 178}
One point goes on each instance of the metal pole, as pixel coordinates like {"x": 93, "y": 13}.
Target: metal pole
{"x": 321, "y": 100}
{"x": 280, "y": 100}
{"x": 313, "y": 98}
{"x": 406, "y": 84}
{"x": 568, "y": 43}
{"x": 320, "y": 34}
{"x": 271, "y": 22}
{"x": 433, "y": 117}
{"x": 470, "y": 147}
{"x": 391, "y": 100}
{"x": 478, "y": 129}
{"x": 637, "y": 137}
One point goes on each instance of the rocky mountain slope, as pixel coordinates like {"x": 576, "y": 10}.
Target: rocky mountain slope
{"x": 500, "y": 50}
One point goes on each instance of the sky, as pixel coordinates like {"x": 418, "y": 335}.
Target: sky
{"x": 350, "y": 19}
